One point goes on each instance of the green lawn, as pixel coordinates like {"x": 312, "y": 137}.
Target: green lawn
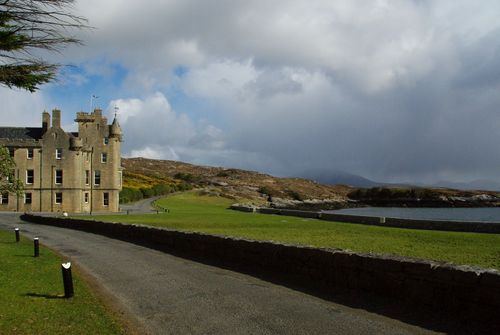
{"x": 191, "y": 212}
{"x": 31, "y": 295}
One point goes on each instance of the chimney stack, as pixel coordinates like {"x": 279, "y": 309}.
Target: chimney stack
{"x": 45, "y": 122}
{"x": 56, "y": 118}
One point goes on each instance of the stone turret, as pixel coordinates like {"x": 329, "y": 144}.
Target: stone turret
{"x": 115, "y": 130}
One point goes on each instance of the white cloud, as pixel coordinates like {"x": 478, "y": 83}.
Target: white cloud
{"x": 222, "y": 79}
{"x": 152, "y": 129}
{"x": 392, "y": 90}
{"x": 21, "y": 108}
{"x": 154, "y": 153}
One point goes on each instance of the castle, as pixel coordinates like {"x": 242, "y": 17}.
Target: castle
{"x": 64, "y": 171}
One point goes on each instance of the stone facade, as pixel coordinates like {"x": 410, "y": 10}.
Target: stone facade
{"x": 64, "y": 171}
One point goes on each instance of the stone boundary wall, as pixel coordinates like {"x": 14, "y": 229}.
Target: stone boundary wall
{"x": 459, "y": 293}
{"x": 472, "y": 227}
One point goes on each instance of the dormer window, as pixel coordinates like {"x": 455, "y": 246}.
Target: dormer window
{"x": 58, "y": 153}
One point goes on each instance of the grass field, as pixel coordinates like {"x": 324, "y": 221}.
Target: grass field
{"x": 191, "y": 212}
{"x": 31, "y": 295}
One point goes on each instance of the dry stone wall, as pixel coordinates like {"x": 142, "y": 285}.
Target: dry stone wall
{"x": 461, "y": 292}
{"x": 473, "y": 227}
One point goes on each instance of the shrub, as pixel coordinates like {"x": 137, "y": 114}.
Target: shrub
{"x": 161, "y": 189}
{"x": 147, "y": 192}
{"x": 130, "y": 194}
{"x": 295, "y": 195}
{"x": 184, "y": 176}
{"x": 183, "y": 187}
{"x": 222, "y": 174}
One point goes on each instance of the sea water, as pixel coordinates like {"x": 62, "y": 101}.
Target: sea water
{"x": 488, "y": 214}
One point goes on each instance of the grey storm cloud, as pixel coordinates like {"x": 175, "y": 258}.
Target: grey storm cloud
{"x": 392, "y": 90}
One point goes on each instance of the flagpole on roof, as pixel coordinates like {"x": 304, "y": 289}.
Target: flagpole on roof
{"x": 92, "y": 97}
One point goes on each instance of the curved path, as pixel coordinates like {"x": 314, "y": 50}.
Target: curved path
{"x": 171, "y": 295}
{"x": 141, "y": 206}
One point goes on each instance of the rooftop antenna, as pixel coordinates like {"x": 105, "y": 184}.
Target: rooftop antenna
{"x": 92, "y": 97}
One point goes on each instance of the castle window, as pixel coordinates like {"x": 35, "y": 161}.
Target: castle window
{"x": 30, "y": 153}
{"x": 27, "y": 198}
{"x": 105, "y": 199}
{"x": 104, "y": 157}
{"x": 97, "y": 177}
{"x": 87, "y": 177}
{"x": 30, "y": 176}
{"x": 58, "y": 153}
{"x": 59, "y": 177}
{"x": 4, "y": 198}
{"x": 106, "y": 140}
{"x": 58, "y": 198}
{"x": 86, "y": 197}
{"x": 12, "y": 151}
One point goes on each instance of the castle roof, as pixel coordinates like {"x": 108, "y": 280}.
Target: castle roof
{"x": 25, "y": 133}
{"x": 21, "y": 133}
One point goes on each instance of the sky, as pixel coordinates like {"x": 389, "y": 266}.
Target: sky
{"x": 395, "y": 91}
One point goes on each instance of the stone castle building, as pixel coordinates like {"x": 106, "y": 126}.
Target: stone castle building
{"x": 63, "y": 171}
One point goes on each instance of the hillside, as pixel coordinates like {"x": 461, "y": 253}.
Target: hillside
{"x": 263, "y": 189}
{"x": 240, "y": 185}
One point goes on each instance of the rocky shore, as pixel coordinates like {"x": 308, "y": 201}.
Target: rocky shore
{"x": 440, "y": 201}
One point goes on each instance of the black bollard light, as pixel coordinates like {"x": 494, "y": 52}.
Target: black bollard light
{"x": 67, "y": 279}
{"x": 37, "y": 246}
{"x": 17, "y": 234}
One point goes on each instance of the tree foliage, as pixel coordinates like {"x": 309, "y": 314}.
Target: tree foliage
{"x": 26, "y": 27}
{"x": 8, "y": 182}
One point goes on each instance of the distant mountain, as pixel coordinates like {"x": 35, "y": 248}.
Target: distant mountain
{"x": 480, "y": 184}
{"x": 345, "y": 178}
{"x": 340, "y": 178}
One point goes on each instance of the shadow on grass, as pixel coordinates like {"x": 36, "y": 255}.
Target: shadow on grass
{"x": 46, "y": 296}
